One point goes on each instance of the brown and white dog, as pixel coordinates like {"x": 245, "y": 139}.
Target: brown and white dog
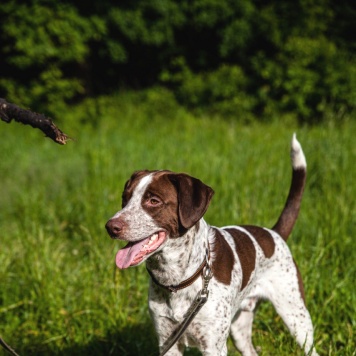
{"x": 162, "y": 221}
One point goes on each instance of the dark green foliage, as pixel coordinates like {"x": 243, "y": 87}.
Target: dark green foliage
{"x": 44, "y": 46}
{"x": 234, "y": 58}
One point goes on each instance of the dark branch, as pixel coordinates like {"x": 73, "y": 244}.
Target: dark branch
{"x": 7, "y": 347}
{"x": 10, "y": 112}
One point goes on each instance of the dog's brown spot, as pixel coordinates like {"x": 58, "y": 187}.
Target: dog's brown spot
{"x": 166, "y": 216}
{"x": 223, "y": 261}
{"x": 246, "y": 252}
{"x": 300, "y": 282}
{"x": 263, "y": 238}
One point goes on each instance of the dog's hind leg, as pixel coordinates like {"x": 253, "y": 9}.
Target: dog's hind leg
{"x": 297, "y": 319}
{"x": 241, "y": 328}
{"x": 287, "y": 298}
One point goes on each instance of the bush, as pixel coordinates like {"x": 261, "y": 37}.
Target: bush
{"x": 309, "y": 79}
{"x": 223, "y": 91}
{"x": 43, "y": 44}
{"x": 234, "y": 58}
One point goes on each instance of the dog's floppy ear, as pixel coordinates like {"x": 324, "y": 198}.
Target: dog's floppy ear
{"x": 193, "y": 198}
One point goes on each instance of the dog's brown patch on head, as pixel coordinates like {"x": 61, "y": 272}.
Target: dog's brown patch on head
{"x": 300, "y": 282}
{"x": 246, "y": 252}
{"x": 263, "y": 238}
{"x": 166, "y": 215}
{"x": 223, "y": 261}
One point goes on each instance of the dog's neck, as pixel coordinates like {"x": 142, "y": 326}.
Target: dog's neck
{"x": 181, "y": 257}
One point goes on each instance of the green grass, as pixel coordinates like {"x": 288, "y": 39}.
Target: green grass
{"x": 60, "y": 291}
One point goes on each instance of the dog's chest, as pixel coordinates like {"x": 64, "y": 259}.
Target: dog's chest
{"x": 173, "y": 306}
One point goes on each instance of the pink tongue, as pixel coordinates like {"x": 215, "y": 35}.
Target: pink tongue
{"x": 126, "y": 255}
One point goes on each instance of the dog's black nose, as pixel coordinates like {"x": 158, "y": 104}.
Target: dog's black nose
{"x": 114, "y": 227}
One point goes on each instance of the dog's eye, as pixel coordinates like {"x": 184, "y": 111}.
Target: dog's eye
{"x": 153, "y": 201}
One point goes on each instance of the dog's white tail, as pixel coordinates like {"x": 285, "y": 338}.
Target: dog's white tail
{"x": 290, "y": 212}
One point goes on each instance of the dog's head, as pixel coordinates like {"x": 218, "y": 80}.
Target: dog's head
{"x": 156, "y": 206}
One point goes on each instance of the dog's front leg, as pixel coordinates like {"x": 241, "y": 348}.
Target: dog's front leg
{"x": 208, "y": 343}
{"x": 164, "y": 323}
{"x": 176, "y": 350}
{"x": 164, "y": 329}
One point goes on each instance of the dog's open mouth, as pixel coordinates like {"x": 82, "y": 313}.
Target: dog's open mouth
{"x": 134, "y": 252}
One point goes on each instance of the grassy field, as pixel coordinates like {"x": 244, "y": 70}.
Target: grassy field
{"x": 60, "y": 291}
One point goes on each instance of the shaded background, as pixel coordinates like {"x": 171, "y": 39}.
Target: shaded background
{"x": 243, "y": 59}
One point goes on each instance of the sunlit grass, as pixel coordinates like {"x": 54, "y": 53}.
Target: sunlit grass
{"x": 60, "y": 292}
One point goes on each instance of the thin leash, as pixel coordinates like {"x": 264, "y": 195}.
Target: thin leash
{"x": 202, "y": 297}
